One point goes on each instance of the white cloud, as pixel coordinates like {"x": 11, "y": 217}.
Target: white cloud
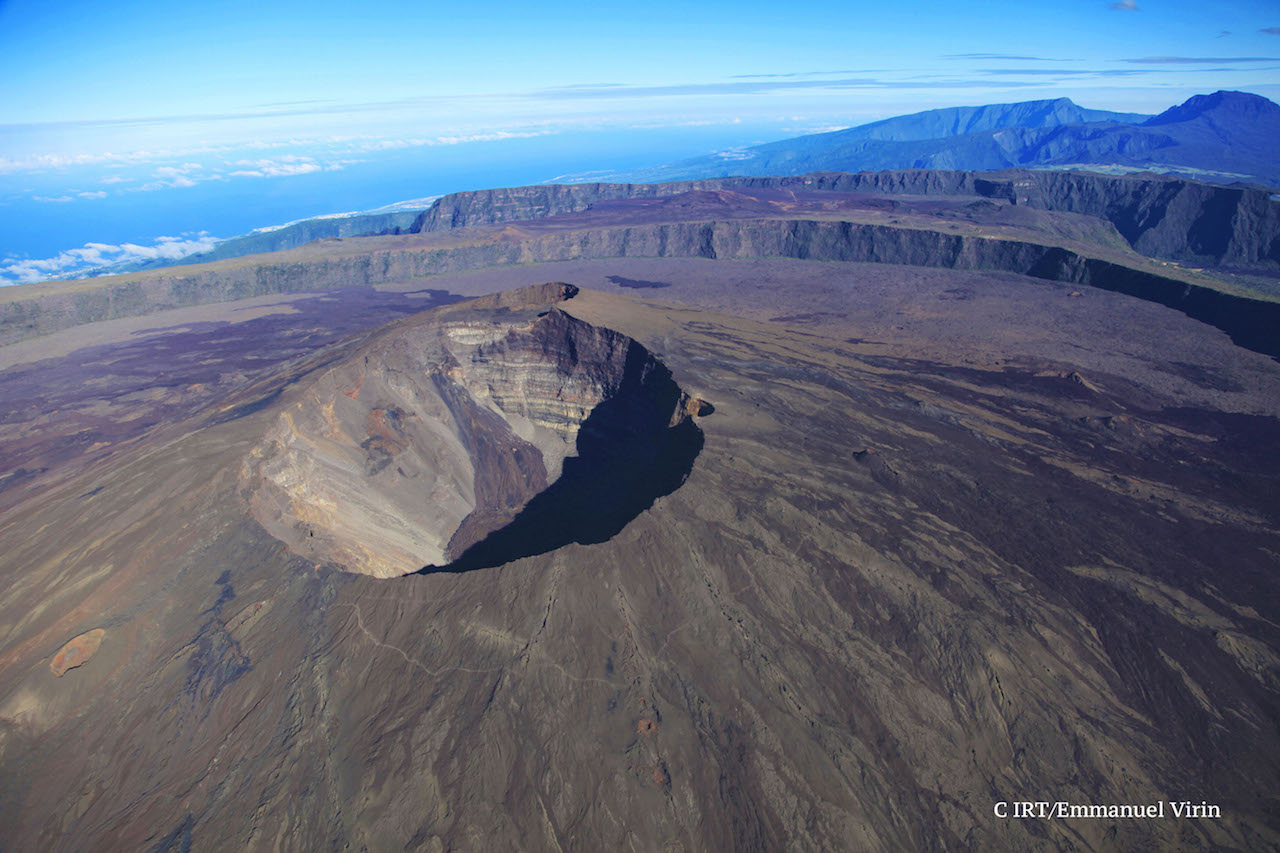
{"x": 175, "y": 171}
{"x": 371, "y": 145}
{"x": 111, "y": 159}
{"x": 183, "y": 175}
{"x": 43, "y": 162}
{"x": 164, "y": 158}
{"x": 278, "y": 168}
{"x": 60, "y": 199}
{"x": 95, "y": 194}
{"x": 99, "y": 258}
{"x": 1125, "y": 5}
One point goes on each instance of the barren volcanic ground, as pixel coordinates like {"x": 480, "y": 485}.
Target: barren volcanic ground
{"x": 683, "y": 554}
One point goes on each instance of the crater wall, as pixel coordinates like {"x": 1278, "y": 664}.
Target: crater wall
{"x": 437, "y": 433}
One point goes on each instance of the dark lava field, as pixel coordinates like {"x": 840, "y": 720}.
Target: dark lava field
{"x": 812, "y": 513}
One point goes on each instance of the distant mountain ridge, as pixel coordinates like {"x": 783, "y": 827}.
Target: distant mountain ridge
{"x": 1222, "y": 137}
{"x": 1238, "y": 104}
{"x": 959, "y": 121}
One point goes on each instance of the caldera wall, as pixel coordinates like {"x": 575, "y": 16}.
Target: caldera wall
{"x": 1248, "y": 321}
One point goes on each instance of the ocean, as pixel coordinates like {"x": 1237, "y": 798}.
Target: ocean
{"x": 48, "y": 218}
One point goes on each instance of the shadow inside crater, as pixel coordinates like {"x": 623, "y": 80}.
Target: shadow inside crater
{"x": 628, "y": 457}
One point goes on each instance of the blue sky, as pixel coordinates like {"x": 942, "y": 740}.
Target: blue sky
{"x": 139, "y": 99}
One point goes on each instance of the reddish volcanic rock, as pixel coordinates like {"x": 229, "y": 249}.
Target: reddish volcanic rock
{"x": 77, "y": 652}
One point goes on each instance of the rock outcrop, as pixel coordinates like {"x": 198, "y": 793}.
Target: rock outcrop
{"x": 441, "y": 431}
{"x": 77, "y": 652}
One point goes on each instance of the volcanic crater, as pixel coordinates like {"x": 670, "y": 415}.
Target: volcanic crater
{"x": 462, "y": 440}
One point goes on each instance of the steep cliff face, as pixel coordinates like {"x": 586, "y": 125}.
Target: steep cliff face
{"x": 1166, "y": 218}
{"x": 1160, "y": 217}
{"x": 1249, "y": 322}
{"x": 438, "y": 433}
{"x": 516, "y": 204}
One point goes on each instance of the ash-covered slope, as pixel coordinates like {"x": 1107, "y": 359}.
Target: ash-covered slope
{"x": 890, "y": 593}
{"x": 436, "y": 434}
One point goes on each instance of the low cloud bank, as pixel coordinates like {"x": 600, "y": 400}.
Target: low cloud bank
{"x": 99, "y": 258}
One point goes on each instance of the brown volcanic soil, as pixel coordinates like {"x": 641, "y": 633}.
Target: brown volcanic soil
{"x": 79, "y": 395}
{"x": 952, "y": 538}
{"x": 83, "y": 394}
{"x": 980, "y": 319}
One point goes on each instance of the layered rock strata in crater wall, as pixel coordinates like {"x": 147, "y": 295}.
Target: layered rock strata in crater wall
{"x": 438, "y": 432}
